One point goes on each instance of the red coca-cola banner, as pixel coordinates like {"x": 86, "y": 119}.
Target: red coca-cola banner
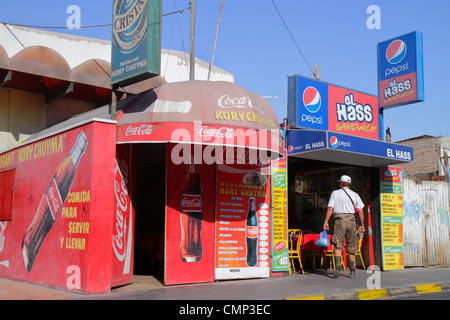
{"x": 198, "y": 132}
{"x": 63, "y": 201}
{"x": 189, "y": 252}
{"x": 123, "y": 230}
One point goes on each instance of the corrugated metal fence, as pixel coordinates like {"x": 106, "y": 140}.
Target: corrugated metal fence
{"x": 426, "y": 224}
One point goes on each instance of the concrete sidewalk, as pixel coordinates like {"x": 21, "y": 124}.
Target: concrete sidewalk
{"x": 311, "y": 285}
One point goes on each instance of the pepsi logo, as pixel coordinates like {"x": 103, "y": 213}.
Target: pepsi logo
{"x": 396, "y": 51}
{"x": 312, "y": 99}
{"x": 334, "y": 142}
{"x": 290, "y": 148}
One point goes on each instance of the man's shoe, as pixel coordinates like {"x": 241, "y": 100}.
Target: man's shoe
{"x": 337, "y": 272}
{"x": 352, "y": 273}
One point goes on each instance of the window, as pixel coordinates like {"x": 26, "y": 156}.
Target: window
{"x": 6, "y": 194}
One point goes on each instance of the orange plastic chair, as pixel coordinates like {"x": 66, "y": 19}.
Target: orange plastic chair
{"x": 295, "y": 239}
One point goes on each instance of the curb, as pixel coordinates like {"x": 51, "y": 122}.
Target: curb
{"x": 381, "y": 293}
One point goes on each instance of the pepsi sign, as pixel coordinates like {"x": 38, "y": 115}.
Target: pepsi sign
{"x": 312, "y": 104}
{"x": 321, "y": 106}
{"x": 396, "y": 51}
{"x": 400, "y": 70}
{"x": 312, "y": 99}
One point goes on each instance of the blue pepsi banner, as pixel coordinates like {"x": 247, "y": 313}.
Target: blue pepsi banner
{"x": 136, "y": 41}
{"x": 400, "y": 70}
{"x": 311, "y": 104}
{"x": 303, "y": 141}
{"x": 370, "y": 147}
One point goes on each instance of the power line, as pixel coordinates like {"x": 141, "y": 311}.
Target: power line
{"x": 295, "y": 42}
{"x": 81, "y": 27}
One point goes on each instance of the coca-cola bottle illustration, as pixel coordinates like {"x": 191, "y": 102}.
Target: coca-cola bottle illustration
{"x": 252, "y": 233}
{"x": 52, "y": 202}
{"x": 191, "y": 215}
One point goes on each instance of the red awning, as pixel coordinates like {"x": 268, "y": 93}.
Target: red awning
{"x": 218, "y": 114}
{"x": 40, "y": 69}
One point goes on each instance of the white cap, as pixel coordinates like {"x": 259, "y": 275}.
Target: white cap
{"x": 345, "y": 178}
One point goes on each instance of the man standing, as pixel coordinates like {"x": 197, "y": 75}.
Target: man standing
{"x": 342, "y": 204}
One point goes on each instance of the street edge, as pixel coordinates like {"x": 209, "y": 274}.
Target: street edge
{"x": 375, "y": 294}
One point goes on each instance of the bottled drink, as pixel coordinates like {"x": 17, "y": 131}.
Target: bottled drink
{"x": 191, "y": 215}
{"x": 51, "y": 202}
{"x": 252, "y": 233}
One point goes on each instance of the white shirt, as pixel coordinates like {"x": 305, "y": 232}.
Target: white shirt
{"x": 341, "y": 203}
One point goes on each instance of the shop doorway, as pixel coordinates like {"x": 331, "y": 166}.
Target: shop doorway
{"x": 149, "y": 205}
{"x": 310, "y": 185}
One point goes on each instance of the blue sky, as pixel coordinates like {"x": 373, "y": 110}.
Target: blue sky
{"x": 254, "y": 45}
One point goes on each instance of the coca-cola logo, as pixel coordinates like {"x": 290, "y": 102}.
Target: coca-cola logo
{"x": 223, "y": 132}
{"x": 252, "y": 231}
{"x": 139, "y": 130}
{"x": 226, "y": 102}
{"x": 120, "y": 227}
{"x": 191, "y": 202}
{"x": 54, "y": 199}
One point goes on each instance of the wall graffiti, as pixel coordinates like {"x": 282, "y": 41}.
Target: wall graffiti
{"x": 412, "y": 212}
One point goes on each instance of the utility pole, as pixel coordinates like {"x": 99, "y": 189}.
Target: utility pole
{"x": 215, "y": 41}
{"x": 316, "y": 72}
{"x": 192, "y": 54}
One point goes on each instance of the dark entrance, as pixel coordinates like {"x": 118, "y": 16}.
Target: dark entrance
{"x": 149, "y": 204}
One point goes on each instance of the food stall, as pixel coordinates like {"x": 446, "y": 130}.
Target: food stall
{"x": 177, "y": 186}
{"x": 334, "y": 131}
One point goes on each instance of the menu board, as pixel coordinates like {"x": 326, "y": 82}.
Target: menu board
{"x": 243, "y": 222}
{"x": 392, "y": 217}
{"x": 280, "y": 260}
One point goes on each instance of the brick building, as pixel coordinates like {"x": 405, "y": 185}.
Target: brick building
{"x": 430, "y": 158}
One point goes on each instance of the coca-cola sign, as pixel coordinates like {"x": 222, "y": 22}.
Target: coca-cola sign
{"x": 122, "y": 230}
{"x": 252, "y": 232}
{"x": 191, "y": 203}
{"x": 54, "y": 199}
{"x": 223, "y": 132}
{"x": 139, "y": 129}
{"x": 226, "y": 101}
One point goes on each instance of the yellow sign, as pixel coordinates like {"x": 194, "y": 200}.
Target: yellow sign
{"x": 392, "y": 221}
{"x": 279, "y": 216}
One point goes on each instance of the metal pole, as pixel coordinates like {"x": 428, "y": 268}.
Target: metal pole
{"x": 192, "y": 54}
{"x": 113, "y": 103}
{"x": 380, "y": 124}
